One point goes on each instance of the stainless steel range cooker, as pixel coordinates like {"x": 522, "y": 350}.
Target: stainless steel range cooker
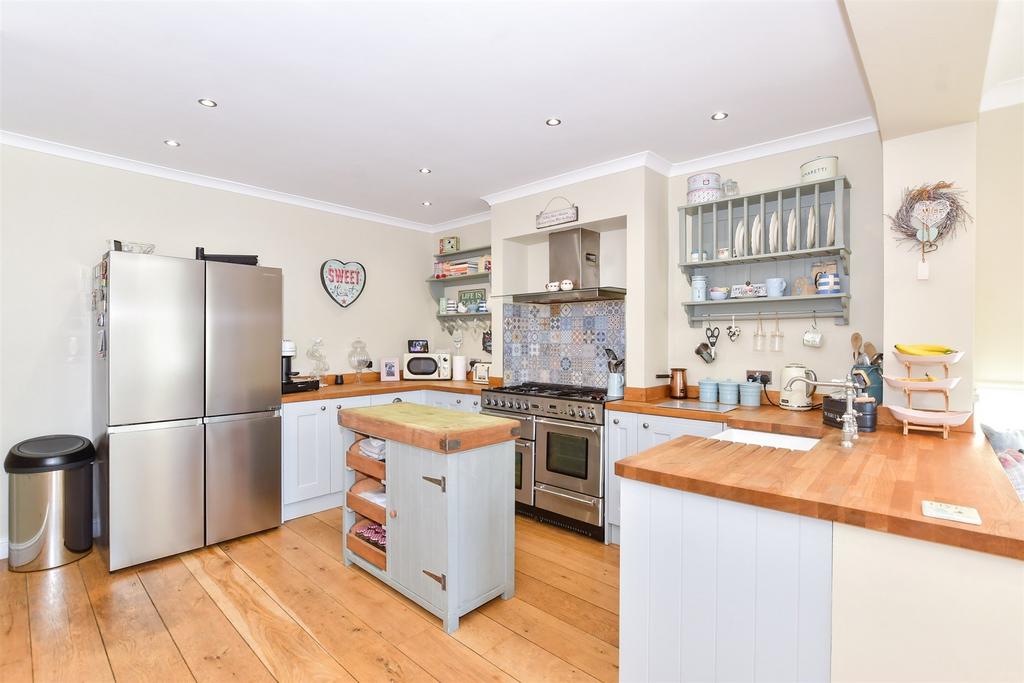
{"x": 559, "y": 469}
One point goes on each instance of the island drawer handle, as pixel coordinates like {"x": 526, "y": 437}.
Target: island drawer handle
{"x": 437, "y": 481}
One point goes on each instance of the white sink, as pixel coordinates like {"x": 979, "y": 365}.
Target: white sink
{"x": 795, "y": 443}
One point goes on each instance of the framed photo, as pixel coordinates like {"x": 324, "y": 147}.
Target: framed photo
{"x": 472, "y": 298}
{"x": 389, "y": 370}
{"x": 447, "y": 245}
{"x": 418, "y": 346}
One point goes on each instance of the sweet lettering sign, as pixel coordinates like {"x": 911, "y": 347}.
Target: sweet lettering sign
{"x": 342, "y": 281}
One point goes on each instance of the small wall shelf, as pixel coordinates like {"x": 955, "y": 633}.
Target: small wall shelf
{"x": 438, "y": 285}
{"x": 464, "y": 253}
{"x": 836, "y": 306}
{"x": 706, "y": 228}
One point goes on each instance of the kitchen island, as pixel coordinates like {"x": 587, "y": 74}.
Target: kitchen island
{"x": 746, "y": 562}
{"x": 430, "y": 506}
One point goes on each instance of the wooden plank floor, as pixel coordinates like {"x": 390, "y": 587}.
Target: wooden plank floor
{"x": 282, "y": 605}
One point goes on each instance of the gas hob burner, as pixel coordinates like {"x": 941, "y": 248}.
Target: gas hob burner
{"x": 561, "y": 401}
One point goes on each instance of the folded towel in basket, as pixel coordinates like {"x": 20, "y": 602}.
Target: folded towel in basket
{"x": 373, "y": 448}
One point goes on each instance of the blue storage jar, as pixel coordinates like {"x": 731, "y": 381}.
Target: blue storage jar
{"x": 729, "y": 392}
{"x": 750, "y": 394}
{"x": 708, "y": 390}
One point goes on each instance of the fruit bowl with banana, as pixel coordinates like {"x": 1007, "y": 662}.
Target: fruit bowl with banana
{"x": 927, "y": 354}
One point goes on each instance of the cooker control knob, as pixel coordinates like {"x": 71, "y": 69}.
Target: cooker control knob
{"x": 503, "y": 405}
{"x": 591, "y": 414}
{"x": 572, "y": 413}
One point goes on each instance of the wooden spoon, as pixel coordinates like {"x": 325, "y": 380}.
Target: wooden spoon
{"x": 870, "y": 349}
{"x": 856, "y": 340}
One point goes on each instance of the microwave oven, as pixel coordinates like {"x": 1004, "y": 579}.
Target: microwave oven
{"x": 427, "y": 366}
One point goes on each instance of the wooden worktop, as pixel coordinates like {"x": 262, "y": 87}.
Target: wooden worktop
{"x": 350, "y": 389}
{"x": 878, "y": 484}
{"x": 762, "y": 419}
{"x": 436, "y": 429}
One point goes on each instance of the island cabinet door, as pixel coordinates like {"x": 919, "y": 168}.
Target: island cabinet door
{"x": 305, "y": 450}
{"x": 418, "y": 522}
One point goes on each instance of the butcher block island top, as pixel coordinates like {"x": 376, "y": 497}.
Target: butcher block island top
{"x": 436, "y": 429}
{"x": 878, "y": 484}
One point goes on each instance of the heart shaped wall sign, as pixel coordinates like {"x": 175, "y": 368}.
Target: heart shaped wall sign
{"x": 931, "y": 213}
{"x": 344, "y": 282}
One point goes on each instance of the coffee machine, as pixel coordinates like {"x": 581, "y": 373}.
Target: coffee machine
{"x": 288, "y": 383}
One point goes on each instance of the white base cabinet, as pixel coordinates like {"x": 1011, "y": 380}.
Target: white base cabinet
{"x": 450, "y": 528}
{"x": 313, "y": 447}
{"x": 627, "y": 434}
{"x": 713, "y": 590}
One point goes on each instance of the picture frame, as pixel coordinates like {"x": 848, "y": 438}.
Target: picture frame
{"x": 447, "y": 245}
{"x": 418, "y": 346}
{"x": 389, "y": 370}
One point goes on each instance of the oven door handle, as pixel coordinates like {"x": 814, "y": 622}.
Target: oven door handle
{"x": 585, "y": 501}
{"x": 569, "y": 425}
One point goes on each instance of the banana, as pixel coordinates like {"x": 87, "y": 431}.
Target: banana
{"x": 924, "y": 349}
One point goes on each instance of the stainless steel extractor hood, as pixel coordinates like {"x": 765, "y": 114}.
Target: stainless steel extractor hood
{"x": 574, "y": 255}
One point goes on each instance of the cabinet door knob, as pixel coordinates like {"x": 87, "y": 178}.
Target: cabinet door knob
{"x": 397, "y": 400}
{"x": 615, "y": 421}
{"x": 393, "y": 514}
{"x": 323, "y": 407}
{"x": 476, "y": 403}
{"x": 458, "y": 400}
{"x": 338, "y": 406}
{"x": 646, "y": 425}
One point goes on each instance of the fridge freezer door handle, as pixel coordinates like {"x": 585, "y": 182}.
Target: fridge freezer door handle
{"x": 148, "y": 426}
{"x": 243, "y": 416}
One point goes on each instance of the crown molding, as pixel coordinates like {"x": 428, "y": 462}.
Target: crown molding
{"x": 787, "y": 144}
{"x": 626, "y": 163}
{"x": 1004, "y": 94}
{"x": 455, "y": 223}
{"x": 659, "y": 164}
{"x": 79, "y": 154}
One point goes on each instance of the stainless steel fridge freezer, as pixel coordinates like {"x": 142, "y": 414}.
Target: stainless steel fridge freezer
{"x": 243, "y": 398}
{"x": 186, "y": 394}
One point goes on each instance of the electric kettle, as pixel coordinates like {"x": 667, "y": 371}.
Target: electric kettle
{"x": 800, "y": 396}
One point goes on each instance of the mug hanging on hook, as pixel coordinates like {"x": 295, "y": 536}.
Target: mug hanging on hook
{"x": 812, "y": 337}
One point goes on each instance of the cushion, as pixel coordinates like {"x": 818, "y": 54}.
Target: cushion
{"x": 1002, "y": 440}
{"x": 1013, "y": 464}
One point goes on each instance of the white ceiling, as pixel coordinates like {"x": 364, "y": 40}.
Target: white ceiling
{"x": 343, "y": 102}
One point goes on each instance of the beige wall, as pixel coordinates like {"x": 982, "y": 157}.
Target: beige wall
{"x": 860, "y": 159}
{"x": 910, "y": 610}
{"x": 939, "y": 310}
{"x": 618, "y": 194}
{"x": 999, "y": 312}
{"x": 57, "y": 215}
{"x": 470, "y": 236}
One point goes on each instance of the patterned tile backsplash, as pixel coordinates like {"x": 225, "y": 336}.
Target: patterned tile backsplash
{"x": 562, "y": 343}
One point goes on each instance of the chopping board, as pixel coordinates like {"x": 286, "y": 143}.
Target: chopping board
{"x": 436, "y": 429}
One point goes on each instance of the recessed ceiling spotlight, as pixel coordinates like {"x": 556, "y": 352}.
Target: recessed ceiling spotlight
{"x": 425, "y": 171}
{"x": 172, "y": 143}
{"x": 719, "y": 115}
{"x": 207, "y": 102}
{"x": 426, "y": 203}
{"x": 554, "y": 122}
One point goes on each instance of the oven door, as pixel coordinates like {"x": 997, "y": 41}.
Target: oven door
{"x": 421, "y": 367}
{"x": 569, "y": 456}
{"x": 524, "y": 472}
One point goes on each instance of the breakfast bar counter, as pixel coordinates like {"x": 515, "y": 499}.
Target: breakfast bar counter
{"x": 746, "y": 562}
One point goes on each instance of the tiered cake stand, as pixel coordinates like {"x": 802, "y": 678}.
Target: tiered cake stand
{"x": 921, "y": 419}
